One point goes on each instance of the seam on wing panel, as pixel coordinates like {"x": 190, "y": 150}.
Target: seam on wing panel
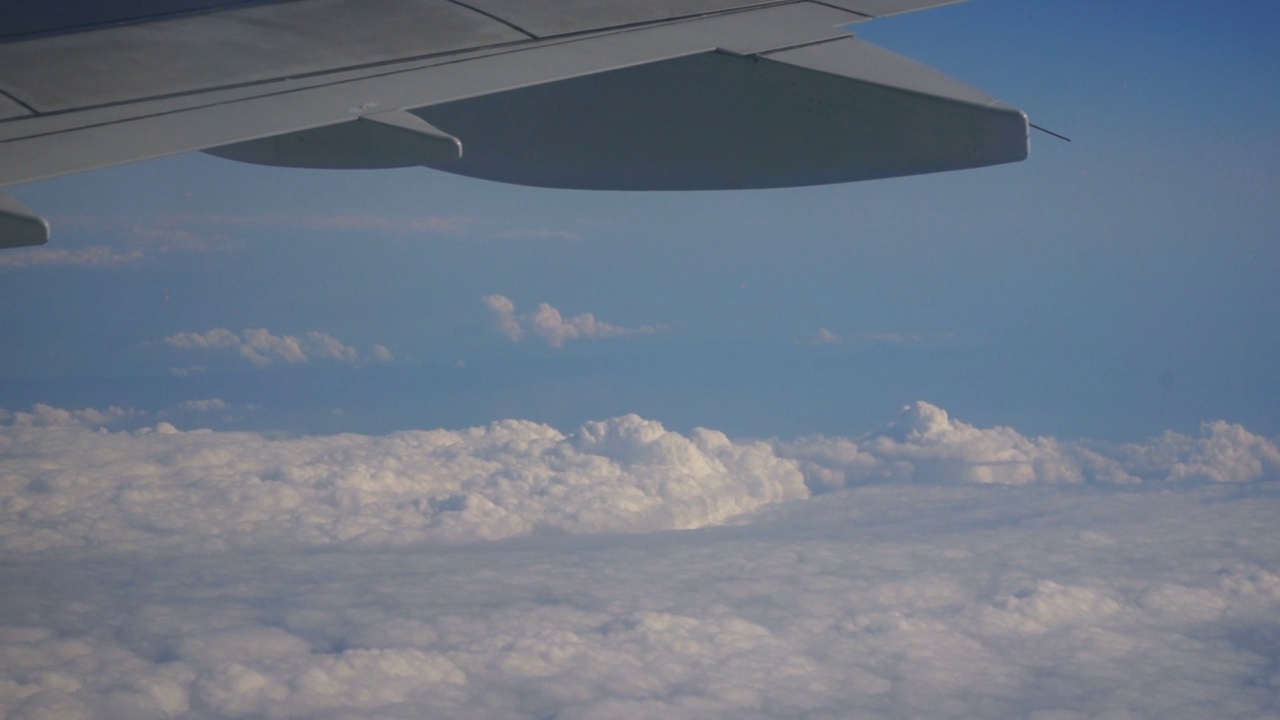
{"x": 809, "y": 43}
{"x": 837, "y": 7}
{"x": 443, "y": 57}
{"x": 19, "y": 102}
{"x": 494, "y": 18}
{"x": 642, "y": 24}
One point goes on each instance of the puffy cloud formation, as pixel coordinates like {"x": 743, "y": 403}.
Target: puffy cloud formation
{"x": 924, "y": 444}
{"x": 46, "y": 416}
{"x": 203, "y": 489}
{"x": 260, "y": 347}
{"x": 512, "y": 571}
{"x": 504, "y": 312}
{"x": 547, "y": 324}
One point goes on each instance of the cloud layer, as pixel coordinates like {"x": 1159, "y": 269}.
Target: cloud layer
{"x": 935, "y": 570}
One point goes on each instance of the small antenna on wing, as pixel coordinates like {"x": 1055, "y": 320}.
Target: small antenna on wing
{"x": 1050, "y": 132}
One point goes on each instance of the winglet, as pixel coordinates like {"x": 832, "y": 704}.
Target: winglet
{"x": 19, "y": 227}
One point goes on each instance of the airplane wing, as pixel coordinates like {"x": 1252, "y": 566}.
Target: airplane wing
{"x": 593, "y": 94}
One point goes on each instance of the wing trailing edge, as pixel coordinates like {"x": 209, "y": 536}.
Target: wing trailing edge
{"x": 834, "y": 111}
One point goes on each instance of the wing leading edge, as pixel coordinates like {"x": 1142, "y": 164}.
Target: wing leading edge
{"x": 623, "y": 95}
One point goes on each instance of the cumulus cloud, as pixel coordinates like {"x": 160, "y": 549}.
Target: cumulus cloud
{"x": 47, "y": 416}
{"x": 519, "y": 479}
{"x": 924, "y": 444}
{"x": 509, "y": 479}
{"x": 547, "y": 324}
{"x": 504, "y": 312}
{"x": 261, "y": 347}
{"x": 157, "y": 573}
{"x": 217, "y": 338}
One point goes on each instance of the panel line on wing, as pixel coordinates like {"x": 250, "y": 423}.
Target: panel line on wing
{"x": 493, "y": 17}
{"x": 15, "y": 107}
{"x": 864, "y": 16}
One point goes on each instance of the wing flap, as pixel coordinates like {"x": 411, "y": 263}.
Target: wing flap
{"x": 836, "y": 111}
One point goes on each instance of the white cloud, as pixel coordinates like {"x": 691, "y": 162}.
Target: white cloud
{"x": 1223, "y": 453}
{"x": 97, "y": 256}
{"x": 217, "y": 338}
{"x": 924, "y": 444}
{"x": 504, "y": 312}
{"x": 509, "y": 479}
{"x": 204, "y": 406}
{"x": 46, "y": 416}
{"x": 167, "y": 574}
{"x": 551, "y": 327}
{"x": 261, "y": 347}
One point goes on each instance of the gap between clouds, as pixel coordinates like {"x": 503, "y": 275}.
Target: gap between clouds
{"x": 260, "y": 347}
{"x": 548, "y": 325}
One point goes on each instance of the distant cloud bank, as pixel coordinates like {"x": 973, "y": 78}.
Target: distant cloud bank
{"x": 548, "y": 325}
{"x": 932, "y": 569}
{"x": 516, "y": 478}
{"x": 260, "y": 347}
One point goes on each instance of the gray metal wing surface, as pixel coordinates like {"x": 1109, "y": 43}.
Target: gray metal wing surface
{"x": 594, "y": 94}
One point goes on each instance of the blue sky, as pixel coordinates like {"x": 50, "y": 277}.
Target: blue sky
{"x": 1113, "y": 287}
